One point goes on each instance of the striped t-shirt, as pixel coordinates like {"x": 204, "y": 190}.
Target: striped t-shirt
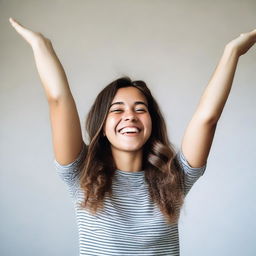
{"x": 130, "y": 223}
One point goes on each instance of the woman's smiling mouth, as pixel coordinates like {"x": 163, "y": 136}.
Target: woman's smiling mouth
{"x": 130, "y": 131}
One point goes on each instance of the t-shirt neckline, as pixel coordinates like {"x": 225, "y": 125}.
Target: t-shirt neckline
{"x": 133, "y": 174}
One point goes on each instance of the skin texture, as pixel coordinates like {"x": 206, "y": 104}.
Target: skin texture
{"x": 127, "y": 150}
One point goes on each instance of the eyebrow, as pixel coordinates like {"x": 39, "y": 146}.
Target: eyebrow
{"x": 135, "y": 103}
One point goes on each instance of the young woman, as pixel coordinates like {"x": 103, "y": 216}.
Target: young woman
{"x": 128, "y": 184}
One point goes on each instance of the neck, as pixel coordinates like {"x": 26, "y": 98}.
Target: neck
{"x": 128, "y": 161}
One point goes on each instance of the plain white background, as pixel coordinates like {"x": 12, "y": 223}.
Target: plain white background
{"x": 174, "y": 46}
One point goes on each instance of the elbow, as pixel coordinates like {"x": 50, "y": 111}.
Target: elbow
{"x": 209, "y": 119}
{"x": 212, "y": 120}
{"x": 56, "y": 96}
{"x": 52, "y": 98}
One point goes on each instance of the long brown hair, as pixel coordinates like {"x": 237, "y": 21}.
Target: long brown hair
{"x": 162, "y": 174}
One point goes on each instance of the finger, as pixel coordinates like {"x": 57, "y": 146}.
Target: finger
{"x": 253, "y": 31}
{"x": 253, "y": 35}
{"x": 24, "y": 32}
{"x": 249, "y": 35}
{"x": 16, "y": 25}
{"x": 20, "y": 28}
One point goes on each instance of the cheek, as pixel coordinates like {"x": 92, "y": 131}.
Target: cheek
{"x": 150, "y": 128}
{"x": 148, "y": 123}
{"x": 110, "y": 125}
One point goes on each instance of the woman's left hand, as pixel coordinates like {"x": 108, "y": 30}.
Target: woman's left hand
{"x": 243, "y": 43}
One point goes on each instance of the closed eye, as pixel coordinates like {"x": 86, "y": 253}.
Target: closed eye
{"x": 116, "y": 110}
{"x": 137, "y": 110}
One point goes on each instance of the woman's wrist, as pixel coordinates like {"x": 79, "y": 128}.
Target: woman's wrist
{"x": 231, "y": 50}
{"x": 41, "y": 43}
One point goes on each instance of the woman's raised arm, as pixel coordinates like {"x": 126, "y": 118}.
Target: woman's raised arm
{"x": 65, "y": 123}
{"x": 199, "y": 134}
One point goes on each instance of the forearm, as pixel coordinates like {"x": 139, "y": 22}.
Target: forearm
{"x": 51, "y": 72}
{"x": 216, "y": 93}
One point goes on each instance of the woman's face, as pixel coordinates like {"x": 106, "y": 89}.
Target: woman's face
{"x": 128, "y": 125}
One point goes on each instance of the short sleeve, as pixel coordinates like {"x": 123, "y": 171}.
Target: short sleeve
{"x": 70, "y": 173}
{"x": 191, "y": 175}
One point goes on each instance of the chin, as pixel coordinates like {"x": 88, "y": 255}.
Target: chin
{"x": 127, "y": 148}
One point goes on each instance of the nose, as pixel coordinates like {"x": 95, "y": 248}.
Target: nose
{"x": 130, "y": 115}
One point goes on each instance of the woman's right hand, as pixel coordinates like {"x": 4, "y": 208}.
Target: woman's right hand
{"x": 243, "y": 43}
{"x": 33, "y": 38}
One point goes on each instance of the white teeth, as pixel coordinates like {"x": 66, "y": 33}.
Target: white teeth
{"x": 129, "y": 129}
